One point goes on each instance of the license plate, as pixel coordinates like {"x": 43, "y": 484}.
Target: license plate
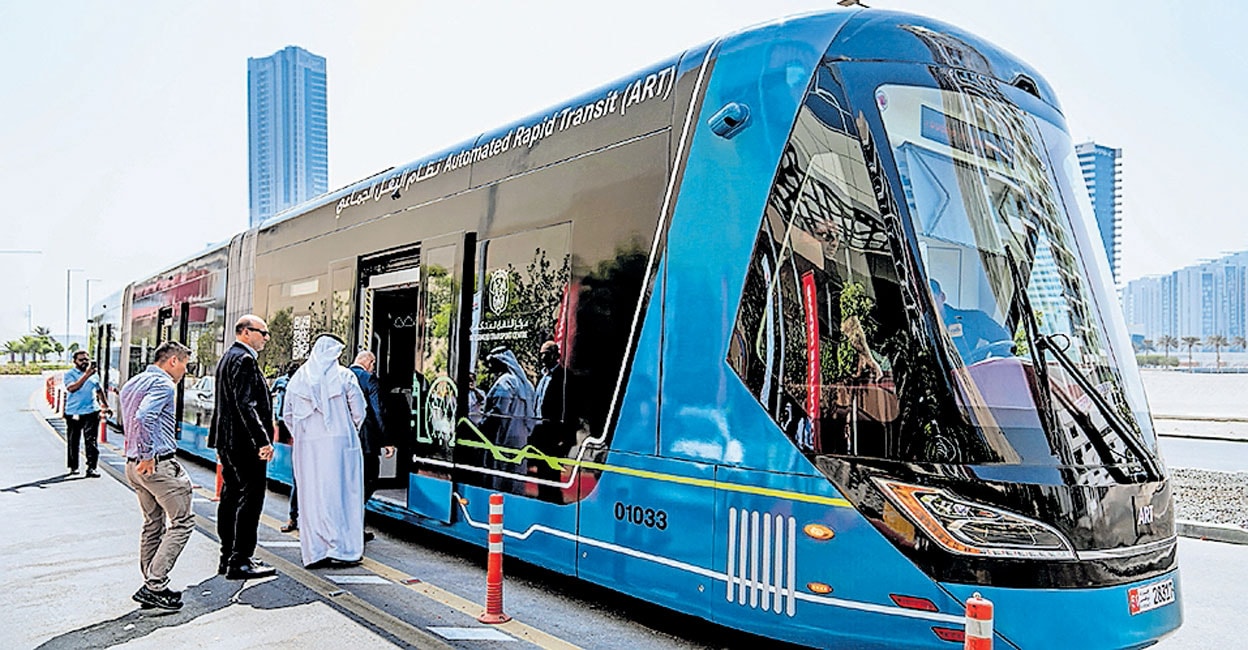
{"x": 1150, "y": 596}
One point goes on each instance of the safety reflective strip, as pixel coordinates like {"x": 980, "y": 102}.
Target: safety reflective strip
{"x": 978, "y": 629}
{"x": 496, "y": 547}
{"x": 732, "y": 545}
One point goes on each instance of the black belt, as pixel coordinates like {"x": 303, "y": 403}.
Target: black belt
{"x": 168, "y": 456}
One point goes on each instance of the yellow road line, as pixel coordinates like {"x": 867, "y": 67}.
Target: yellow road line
{"x": 439, "y": 595}
{"x": 336, "y": 595}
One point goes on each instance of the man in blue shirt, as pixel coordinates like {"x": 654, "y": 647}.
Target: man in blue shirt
{"x": 81, "y": 412}
{"x": 973, "y": 331}
{"x": 149, "y": 413}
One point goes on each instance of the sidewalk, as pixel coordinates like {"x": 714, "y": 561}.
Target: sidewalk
{"x": 1201, "y": 427}
{"x": 69, "y": 563}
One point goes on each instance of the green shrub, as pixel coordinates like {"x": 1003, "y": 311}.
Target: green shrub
{"x": 1157, "y": 360}
{"x": 19, "y": 369}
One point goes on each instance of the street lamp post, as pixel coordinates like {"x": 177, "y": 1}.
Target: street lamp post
{"x": 86, "y": 333}
{"x": 68, "y": 273}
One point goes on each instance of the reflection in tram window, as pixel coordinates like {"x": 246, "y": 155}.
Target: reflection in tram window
{"x": 522, "y": 303}
{"x": 823, "y": 338}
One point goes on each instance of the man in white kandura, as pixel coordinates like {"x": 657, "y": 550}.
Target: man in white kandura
{"x": 323, "y": 409}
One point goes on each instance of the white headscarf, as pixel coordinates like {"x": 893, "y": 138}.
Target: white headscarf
{"x": 316, "y": 382}
{"x": 522, "y": 389}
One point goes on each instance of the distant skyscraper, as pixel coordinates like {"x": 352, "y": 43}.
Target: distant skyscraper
{"x": 1102, "y": 171}
{"x": 1199, "y": 300}
{"x": 288, "y": 133}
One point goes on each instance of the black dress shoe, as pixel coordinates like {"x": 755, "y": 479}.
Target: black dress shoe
{"x": 92, "y": 474}
{"x": 290, "y": 527}
{"x": 249, "y": 572}
{"x": 222, "y": 567}
{"x": 369, "y": 536}
{"x": 163, "y": 599}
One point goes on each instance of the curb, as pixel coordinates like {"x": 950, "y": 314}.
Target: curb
{"x": 1200, "y": 418}
{"x": 1192, "y": 436}
{"x": 1227, "y": 533}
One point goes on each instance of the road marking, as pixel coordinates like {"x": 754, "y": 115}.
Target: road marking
{"x": 470, "y": 634}
{"x": 373, "y": 615}
{"x": 456, "y": 602}
{"x": 248, "y": 584}
{"x": 359, "y": 580}
{"x": 435, "y": 593}
{"x": 282, "y": 544}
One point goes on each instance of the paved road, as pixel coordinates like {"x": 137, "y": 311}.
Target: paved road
{"x": 1214, "y": 588}
{"x": 1205, "y": 454}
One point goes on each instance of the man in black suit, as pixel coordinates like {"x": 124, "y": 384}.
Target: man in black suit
{"x": 240, "y": 433}
{"x": 553, "y": 435}
{"x": 373, "y": 436}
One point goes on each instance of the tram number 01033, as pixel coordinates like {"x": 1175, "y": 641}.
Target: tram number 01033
{"x": 639, "y": 516}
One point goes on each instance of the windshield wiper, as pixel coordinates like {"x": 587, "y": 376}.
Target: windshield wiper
{"x": 1032, "y": 331}
{"x": 1037, "y": 344}
{"x": 1111, "y": 416}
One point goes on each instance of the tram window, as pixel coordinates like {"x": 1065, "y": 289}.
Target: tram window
{"x": 519, "y": 346}
{"x": 823, "y": 338}
{"x": 816, "y": 315}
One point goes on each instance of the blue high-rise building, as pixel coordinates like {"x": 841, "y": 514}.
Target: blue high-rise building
{"x": 288, "y": 132}
{"x": 1102, "y": 171}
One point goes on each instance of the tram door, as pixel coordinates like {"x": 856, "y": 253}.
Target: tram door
{"x": 172, "y": 325}
{"x": 394, "y": 301}
{"x": 100, "y": 352}
{"x": 441, "y": 371}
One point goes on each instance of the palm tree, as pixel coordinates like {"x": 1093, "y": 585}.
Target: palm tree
{"x": 1167, "y": 342}
{"x": 1148, "y": 346}
{"x": 1218, "y": 342}
{"x": 12, "y": 348}
{"x": 1238, "y": 342}
{"x": 1190, "y": 342}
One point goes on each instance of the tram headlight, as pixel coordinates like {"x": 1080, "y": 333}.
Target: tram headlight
{"x": 970, "y": 528}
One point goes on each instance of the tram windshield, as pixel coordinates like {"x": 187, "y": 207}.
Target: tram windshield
{"x": 1019, "y": 283}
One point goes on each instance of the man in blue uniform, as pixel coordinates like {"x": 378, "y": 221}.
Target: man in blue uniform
{"x": 972, "y": 330}
{"x": 82, "y": 415}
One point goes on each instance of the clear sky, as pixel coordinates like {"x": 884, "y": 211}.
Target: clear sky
{"x": 123, "y": 125}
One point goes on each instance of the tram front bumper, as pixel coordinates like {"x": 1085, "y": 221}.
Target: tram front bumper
{"x": 1133, "y": 615}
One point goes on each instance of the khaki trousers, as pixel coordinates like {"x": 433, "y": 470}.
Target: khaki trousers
{"x": 163, "y": 494}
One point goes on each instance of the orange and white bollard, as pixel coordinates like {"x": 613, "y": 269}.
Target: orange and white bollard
{"x": 978, "y": 623}
{"x": 103, "y": 429}
{"x": 220, "y": 481}
{"x": 494, "y": 576}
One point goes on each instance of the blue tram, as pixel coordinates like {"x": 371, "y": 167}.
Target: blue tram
{"x": 803, "y": 331}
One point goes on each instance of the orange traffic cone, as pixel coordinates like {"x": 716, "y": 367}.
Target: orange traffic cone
{"x": 978, "y": 623}
{"x": 494, "y": 575}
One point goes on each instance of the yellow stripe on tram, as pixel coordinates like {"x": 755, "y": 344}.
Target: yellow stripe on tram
{"x": 507, "y": 455}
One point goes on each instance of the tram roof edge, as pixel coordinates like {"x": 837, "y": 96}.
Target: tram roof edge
{"x": 913, "y": 38}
